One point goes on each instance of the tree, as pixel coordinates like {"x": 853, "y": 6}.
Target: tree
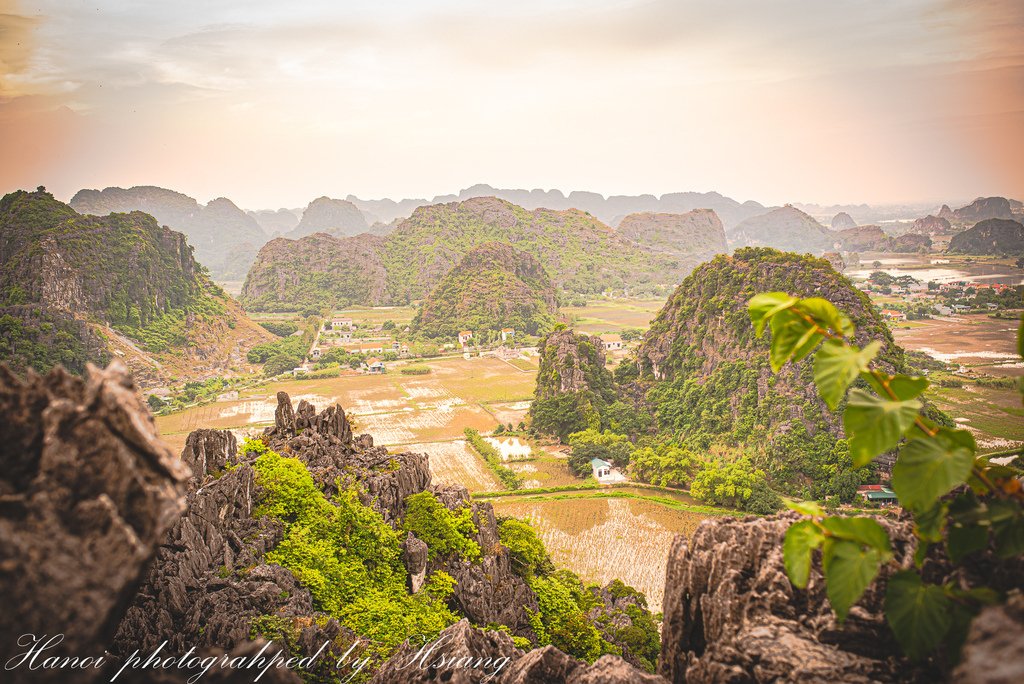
{"x": 590, "y": 444}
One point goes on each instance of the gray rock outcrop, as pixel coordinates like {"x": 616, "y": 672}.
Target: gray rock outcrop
{"x": 87, "y": 493}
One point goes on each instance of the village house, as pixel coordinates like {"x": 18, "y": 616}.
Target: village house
{"x": 611, "y": 341}
{"x": 374, "y": 365}
{"x": 879, "y": 494}
{"x": 507, "y": 334}
{"x": 605, "y": 473}
{"x": 342, "y": 324}
{"x": 315, "y": 354}
{"x": 403, "y": 351}
{"x": 465, "y": 336}
{"x": 893, "y": 315}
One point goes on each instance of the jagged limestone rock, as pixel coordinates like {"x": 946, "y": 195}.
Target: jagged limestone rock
{"x": 87, "y": 491}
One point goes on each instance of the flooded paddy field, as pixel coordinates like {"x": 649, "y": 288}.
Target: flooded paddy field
{"x": 977, "y": 341}
{"x": 601, "y": 536}
{"x": 394, "y": 408}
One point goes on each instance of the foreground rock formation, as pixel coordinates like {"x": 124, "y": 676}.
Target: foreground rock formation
{"x": 87, "y": 492}
{"x": 731, "y": 614}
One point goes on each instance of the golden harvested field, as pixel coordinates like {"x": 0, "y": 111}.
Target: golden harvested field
{"x": 456, "y": 463}
{"x": 394, "y": 408}
{"x": 613, "y": 315}
{"x": 602, "y": 539}
{"x": 364, "y": 315}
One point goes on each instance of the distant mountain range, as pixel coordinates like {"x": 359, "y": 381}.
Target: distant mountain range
{"x": 675, "y": 229}
{"x": 225, "y": 238}
{"x": 581, "y": 254}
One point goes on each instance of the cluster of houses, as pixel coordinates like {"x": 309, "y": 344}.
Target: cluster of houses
{"x": 932, "y": 294}
{"x": 339, "y": 332}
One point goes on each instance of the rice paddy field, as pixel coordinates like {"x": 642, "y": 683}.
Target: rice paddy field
{"x": 613, "y": 315}
{"x": 396, "y": 409}
{"x": 604, "y": 535}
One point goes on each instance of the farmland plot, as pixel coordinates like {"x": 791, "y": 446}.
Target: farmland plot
{"x": 455, "y": 462}
{"x": 604, "y": 539}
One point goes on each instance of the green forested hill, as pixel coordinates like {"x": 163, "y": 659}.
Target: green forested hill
{"x": 74, "y": 287}
{"x": 317, "y": 271}
{"x": 581, "y": 254}
{"x": 493, "y": 286}
{"x": 705, "y": 375}
{"x": 698, "y": 405}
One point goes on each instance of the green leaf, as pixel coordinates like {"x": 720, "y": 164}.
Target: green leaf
{"x": 861, "y": 530}
{"x": 1007, "y": 528}
{"x": 801, "y": 539}
{"x": 837, "y": 364}
{"x": 929, "y": 525}
{"x": 792, "y": 337}
{"x": 903, "y": 386}
{"x": 929, "y": 467}
{"x": 964, "y": 540}
{"x": 919, "y": 614}
{"x": 823, "y": 312}
{"x": 849, "y": 570}
{"x": 806, "y": 508}
{"x": 763, "y": 306}
{"x": 875, "y": 425}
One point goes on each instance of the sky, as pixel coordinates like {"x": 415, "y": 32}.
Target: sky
{"x": 275, "y": 103}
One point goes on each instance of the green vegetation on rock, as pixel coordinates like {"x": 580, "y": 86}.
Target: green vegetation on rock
{"x": 348, "y": 557}
{"x": 494, "y": 286}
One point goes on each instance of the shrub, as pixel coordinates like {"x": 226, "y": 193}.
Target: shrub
{"x": 346, "y": 555}
{"x": 444, "y": 531}
{"x": 525, "y": 548}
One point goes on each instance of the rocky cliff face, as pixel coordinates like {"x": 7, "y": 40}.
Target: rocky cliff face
{"x": 119, "y": 285}
{"x": 225, "y": 238}
{"x": 316, "y": 271}
{"x": 731, "y": 614}
{"x": 786, "y": 228}
{"x": 494, "y": 286}
{"x": 339, "y": 218}
{"x": 997, "y": 237}
{"x": 692, "y": 238}
{"x": 932, "y": 225}
{"x": 88, "y": 493}
{"x": 985, "y": 208}
{"x": 842, "y": 221}
{"x": 211, "y": 580}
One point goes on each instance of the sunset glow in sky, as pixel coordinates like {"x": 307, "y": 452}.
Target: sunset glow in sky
{"x": 275, "y": 103}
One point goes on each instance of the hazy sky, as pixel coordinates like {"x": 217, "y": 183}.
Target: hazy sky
{"x": 275, "y": 103}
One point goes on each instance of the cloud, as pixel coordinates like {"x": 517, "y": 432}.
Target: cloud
{"x": 16, "y": 45}
{"x": 794, "y": 99}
